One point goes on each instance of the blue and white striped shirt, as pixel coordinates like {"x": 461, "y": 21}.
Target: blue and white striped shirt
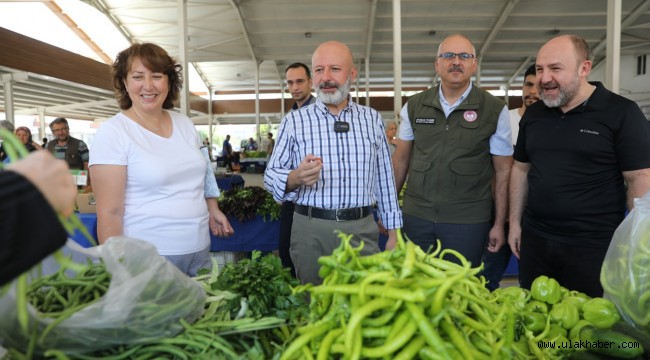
{"x": 356, "y": 169}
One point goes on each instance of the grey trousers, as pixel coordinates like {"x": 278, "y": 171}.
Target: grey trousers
{"x": 190, "y": 264}
{"x": 313, "y": 238}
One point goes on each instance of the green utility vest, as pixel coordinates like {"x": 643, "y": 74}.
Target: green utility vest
{"x": 451, "y": 171}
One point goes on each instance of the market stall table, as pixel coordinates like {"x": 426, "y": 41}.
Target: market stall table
{"x": 227, "y": 182}
{"x": 255, "y": 234}
{"x": 256, "y": 165}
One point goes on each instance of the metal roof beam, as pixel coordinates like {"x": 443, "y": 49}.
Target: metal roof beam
{"x": 247, "y": 37}
{"x": 67, "y": 107}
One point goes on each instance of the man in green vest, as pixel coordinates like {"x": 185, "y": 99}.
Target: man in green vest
{"x": 455, "y": 146}
{"x": 72, "y": 150}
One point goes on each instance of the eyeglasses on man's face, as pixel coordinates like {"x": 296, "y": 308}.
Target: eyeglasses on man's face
{"x": 450, "y": 56}
{"x": 60, "y": 129}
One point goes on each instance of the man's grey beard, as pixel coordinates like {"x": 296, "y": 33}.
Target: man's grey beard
{"x": 564, "y": 95}
{"x": 336, "y": 97}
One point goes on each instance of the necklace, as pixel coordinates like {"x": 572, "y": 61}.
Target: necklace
{"x": 143, "y": 123}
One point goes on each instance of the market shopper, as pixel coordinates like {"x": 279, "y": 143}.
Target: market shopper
{"x": 332, "y": 159}
{"x": 454, "y": 141}
{"x": 151, "y": 180}
{"x": 299, "y": 84}
{"x": 32, "y": 192}
{"x": 391, "y": 132}
{"x": 226, "y": 152}
{"x": 74, "y": 151}
{"x": 25, "y": 136}
{"x": 495, "y": 263}
{"x": 7, "y": 125}
{"x": 568, "y": 194}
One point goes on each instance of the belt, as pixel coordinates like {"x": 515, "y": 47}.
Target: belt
{"x": 334, "y": 214}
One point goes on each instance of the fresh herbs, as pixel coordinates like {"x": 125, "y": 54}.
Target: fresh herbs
{"x": 245, "y": 203}
{"x": 266, "y": 284}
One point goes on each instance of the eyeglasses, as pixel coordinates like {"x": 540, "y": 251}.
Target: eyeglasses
{"x": 61, "y": 129}
{"x": 449, "y": 56}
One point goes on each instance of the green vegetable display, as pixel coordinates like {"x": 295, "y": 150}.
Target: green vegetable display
{"x": 546, "y": 289}
{"x": 246, "y": 203}
{"x": 601, "y": 313}
{"x": 265, "y": 284}
{"x": 565, "y": 314}
{"x": 402, "y": 304}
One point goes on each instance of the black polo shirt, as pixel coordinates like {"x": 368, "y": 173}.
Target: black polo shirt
{"x": 575, "y": 185}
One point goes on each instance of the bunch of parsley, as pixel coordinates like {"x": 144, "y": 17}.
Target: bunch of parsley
{"x": 266, "y": 285}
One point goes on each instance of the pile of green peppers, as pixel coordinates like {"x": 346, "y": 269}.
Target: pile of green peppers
{"x": 549, "y": 312}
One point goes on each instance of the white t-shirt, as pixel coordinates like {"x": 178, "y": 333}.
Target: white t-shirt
{"x": 164, "y": 200}
{"x": 514, "y": 124}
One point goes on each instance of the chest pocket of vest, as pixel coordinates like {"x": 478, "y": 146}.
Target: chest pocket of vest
{"x": 469, "y": 125}
{"x": 467, "y": 177}
{"x": 417, "y": 179}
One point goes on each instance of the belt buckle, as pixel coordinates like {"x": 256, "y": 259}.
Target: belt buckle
{"x": 355, "y": 212}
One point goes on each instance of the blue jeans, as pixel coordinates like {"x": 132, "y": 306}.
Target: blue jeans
{"x": 494, "y": 265}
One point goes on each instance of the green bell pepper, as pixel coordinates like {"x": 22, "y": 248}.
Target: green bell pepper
{"x": 565, "y": 314}
{"x": 537, "y": 306}
{"x": 533, "y": 321}
{"x": 514, "y": 295}
{"x": 546, "y": 289}
{"x": 577, "y": 301}
{"x": 555, "y": 330}
{"x": 600, "y": 312}
{"x": 574, "y": 333}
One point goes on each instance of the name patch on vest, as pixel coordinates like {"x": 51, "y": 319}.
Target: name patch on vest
{"x": 425, "y": 121}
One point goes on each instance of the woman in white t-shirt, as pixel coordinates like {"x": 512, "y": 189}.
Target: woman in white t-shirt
{"x": 148, "y": 172}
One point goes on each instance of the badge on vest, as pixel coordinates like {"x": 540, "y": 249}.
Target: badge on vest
{"x": 470, "y": 115}
{"x": 425, "y": 121}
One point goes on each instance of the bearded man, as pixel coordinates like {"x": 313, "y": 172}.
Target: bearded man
{"x": 332, "y": 160}
{"x": 576, "y": 150}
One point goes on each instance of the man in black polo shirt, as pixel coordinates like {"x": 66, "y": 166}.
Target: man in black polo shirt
{"x": 576, "y": 150}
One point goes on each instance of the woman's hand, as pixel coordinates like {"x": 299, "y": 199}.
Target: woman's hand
{"x": 219, "y": 225}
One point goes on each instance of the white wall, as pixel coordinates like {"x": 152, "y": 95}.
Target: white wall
{"x": 632, "y": 86}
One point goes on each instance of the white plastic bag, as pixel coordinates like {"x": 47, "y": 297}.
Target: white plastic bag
{"x": 146, "y": 299}
{"x": 625, "y": 275}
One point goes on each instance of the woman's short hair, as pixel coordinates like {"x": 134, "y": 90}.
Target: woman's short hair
{"x": 156, "y": 59}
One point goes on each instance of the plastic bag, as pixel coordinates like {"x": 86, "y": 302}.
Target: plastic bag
{"x": 146, "y": 299}
{"x": 625, "y": 275}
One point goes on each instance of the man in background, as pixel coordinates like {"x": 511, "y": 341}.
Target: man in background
{"x": 226, "y": 152}
{"x": 299, "y": 84}
{"x": 495, "y": 264}
{"x": 74, "y": 151}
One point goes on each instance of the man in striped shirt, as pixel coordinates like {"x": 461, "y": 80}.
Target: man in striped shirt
{"x": 332, "y": 160}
